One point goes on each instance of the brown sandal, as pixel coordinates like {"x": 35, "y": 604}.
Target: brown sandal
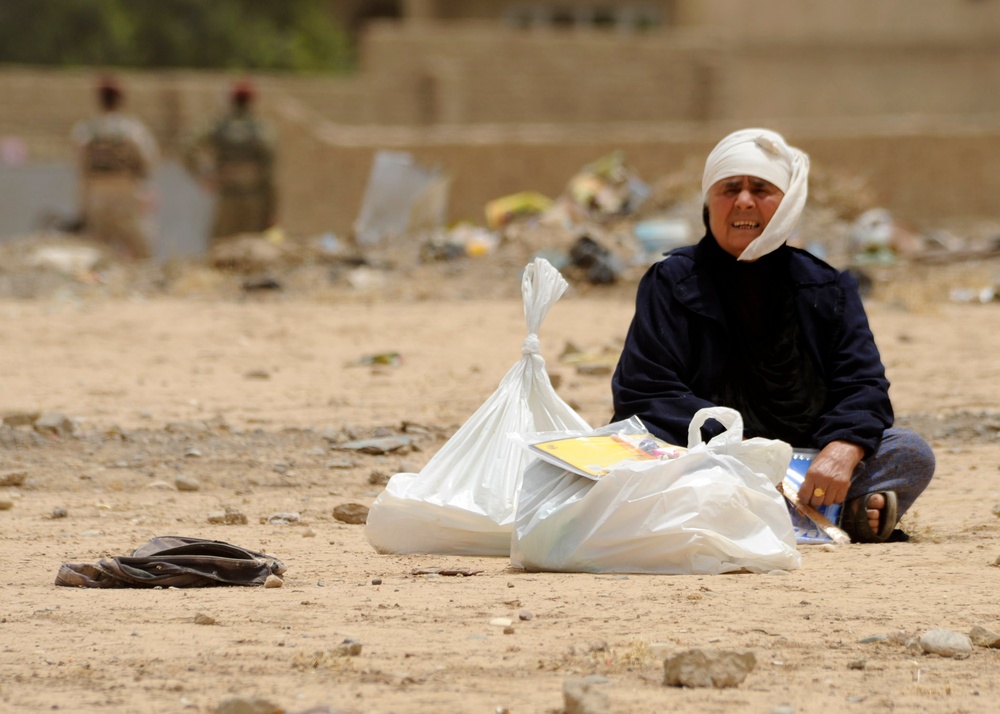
{"x": 854, "y": 519}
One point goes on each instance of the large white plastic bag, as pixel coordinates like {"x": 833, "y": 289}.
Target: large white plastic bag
{"x": 712, "y": 510}
{"x": 462, "y": 502}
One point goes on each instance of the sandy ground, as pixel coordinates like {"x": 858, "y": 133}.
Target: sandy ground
{"x": 246, "y": 397}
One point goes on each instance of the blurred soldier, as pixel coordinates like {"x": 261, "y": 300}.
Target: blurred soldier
{"x": 234, "y": 158}
{"x": 117, "y": 154}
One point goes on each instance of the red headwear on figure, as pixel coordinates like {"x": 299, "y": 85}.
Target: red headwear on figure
{"x": 109, "y": 91}
{"x": 243, "y": 92}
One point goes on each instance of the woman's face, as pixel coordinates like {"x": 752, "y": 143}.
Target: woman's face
{"x": 739, "y": 208}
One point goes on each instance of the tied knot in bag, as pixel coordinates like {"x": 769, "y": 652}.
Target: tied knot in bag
{"x": 531, "y": 345}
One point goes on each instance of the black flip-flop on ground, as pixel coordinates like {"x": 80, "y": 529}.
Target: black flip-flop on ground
{"x": 855, "y": 518}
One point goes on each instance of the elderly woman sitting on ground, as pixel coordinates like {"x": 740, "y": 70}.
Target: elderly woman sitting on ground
{"x": 746, "y": 321}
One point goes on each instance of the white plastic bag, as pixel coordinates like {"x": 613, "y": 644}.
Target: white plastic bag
{"x": 713, "y": 510}
{"x": 462, "y": 502}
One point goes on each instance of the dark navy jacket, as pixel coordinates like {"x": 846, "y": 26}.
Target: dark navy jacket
{"x": 675, "y": 353}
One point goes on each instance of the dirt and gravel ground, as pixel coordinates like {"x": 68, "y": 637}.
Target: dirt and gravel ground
{"x": 244, "y": 394}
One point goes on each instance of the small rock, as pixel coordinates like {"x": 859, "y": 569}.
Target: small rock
{"x": 501, "y": 622}
{"x": 524, "y": 615}
{"x": 273, "y": 581}
{"x": 708, "y": 668}
{"x": 583, "y": 696}
{"x": 308, "y": 533}
{"x": 981, "y": 637}
{"x": 283, "y": 518}
{"x": 6, "y": 503}
{"x": 349, "y": 648}
{"x": 378, "y": 478}
{"x": 873, "y": 639}
{"x": 161, "y": 486}
{"x": 353, "y": 513}
{"x": 53, "y": 424}
{"x": 996, "y": 510}
{"x": 13, "y": 478}
{"x": 186, "y": 483}
{"x": 242, "y": 705}
{"x": 946, "y": 643}
{"x": 58, "y": 513}
{"x": 857, "y": 664}
{"x": 508, "y": 630}
{"x": 20, "y": 418}
{"x": 594, "y": 369}
{"x": 376, "y": 581}
{"x": 783, "y": 709}
{"x": 229, "y": 517}
{"x": 192, "y": 453}
{"x": 340, "y": 464}
{"x": 376, "y": 446}
{"x": 203, "y": 619}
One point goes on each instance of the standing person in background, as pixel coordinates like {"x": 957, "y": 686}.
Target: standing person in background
{"x": 234, "y": 159}
{"x": 117, "y": 154}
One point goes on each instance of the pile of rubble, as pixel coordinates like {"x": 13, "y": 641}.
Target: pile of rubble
{"x": 604, "y": 230}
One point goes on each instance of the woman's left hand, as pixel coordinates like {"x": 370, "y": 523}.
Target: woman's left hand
{"x": 829, "y": 475}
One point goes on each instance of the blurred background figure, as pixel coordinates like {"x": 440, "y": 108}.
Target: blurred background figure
{"x": 234, "y": 158}
{"x": 117, "y": 154}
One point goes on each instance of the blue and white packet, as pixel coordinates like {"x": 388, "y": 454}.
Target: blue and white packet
{"x": 805, "y": 530}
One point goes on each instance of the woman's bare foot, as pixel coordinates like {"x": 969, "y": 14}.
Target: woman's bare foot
{"x": 875, "y": 505}
{"x": 871, "y": 518}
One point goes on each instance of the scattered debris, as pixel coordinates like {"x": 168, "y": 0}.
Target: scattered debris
{"x": 465, "y": 572}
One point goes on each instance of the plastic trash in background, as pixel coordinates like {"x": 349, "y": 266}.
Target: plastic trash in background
{"x": 501, "y": 211}
{"x": 658, "y": 235}
{"x": 463, "y": 501}
{"x": 401, "y": 198}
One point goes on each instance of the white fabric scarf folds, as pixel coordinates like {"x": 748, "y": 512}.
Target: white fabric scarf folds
{"x": 765, "y": 154}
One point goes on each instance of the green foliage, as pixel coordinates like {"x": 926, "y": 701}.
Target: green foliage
{"x": 296, "y": 35}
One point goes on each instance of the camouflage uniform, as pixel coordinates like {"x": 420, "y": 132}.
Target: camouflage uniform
{"x": 117, "y": 155}
{"x": 236, "y": 156}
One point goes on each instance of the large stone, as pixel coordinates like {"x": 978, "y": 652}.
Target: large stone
{"x": 584, "y": 696}
{"x": 981, "y": 637}
{"x": 708, "y": 668}
{"x": 946, "y": 643}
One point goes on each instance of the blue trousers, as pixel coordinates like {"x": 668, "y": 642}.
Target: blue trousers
{"x": 904, "y": 463}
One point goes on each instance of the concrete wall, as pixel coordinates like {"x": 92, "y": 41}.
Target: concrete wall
{"x": 502, "y": 110}
{"x": 925, "y": 173}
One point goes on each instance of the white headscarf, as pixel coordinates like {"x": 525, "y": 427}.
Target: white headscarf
{"x": 765, "y": 154}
